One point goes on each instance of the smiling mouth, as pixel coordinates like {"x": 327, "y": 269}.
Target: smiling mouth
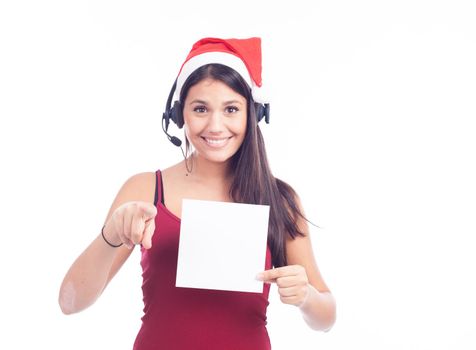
{"x": 216, "y": 142}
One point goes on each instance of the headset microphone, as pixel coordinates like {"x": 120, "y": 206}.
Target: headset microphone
{"x": 175, "y": 140}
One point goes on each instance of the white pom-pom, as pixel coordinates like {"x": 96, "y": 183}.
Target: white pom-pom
{"x": 260, "y": 94}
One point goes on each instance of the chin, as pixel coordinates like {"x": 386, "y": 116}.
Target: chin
{"x": 216, "y": 158}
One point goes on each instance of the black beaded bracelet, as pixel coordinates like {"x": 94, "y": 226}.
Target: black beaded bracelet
{"x": 112, "y": 245}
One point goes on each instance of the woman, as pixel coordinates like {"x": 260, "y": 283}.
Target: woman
{"x": 216, "y": 98}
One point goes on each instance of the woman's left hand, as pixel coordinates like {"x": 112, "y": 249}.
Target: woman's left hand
{"x": 292, "y": 282}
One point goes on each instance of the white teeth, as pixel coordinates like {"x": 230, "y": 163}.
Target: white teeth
{"x": 216, "y": 142}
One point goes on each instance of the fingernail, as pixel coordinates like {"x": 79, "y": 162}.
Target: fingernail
{"x": 259, "y": 276}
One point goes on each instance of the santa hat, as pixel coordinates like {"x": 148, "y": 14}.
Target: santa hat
{"x": 243, "y": 55}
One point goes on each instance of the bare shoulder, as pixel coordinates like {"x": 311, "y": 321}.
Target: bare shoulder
{"x": 140, "y": 186}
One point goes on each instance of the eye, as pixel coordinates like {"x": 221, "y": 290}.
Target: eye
{"x": 231, "y": 109}
{"x": 200, "y": 109}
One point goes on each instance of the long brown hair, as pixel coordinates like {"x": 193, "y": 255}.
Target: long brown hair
{"x": 253, "y": 182}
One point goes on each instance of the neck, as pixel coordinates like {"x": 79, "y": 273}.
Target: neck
{"x": 205, "y": 171}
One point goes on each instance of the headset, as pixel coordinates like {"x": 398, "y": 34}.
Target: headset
{"x": 175, "y": 114}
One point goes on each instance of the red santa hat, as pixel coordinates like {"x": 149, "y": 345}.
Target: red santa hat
{"x": 243, "y": 55}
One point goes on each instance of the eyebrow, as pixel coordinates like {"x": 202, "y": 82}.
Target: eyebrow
{"x": 224, "y": 103}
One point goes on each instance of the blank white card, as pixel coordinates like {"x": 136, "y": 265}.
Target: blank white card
{"x": 222, "y": 245}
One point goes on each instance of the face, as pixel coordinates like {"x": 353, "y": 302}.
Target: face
{"x": 214, "y": 120}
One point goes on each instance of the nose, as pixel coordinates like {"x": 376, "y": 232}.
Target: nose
{"x": 215, "y": 123}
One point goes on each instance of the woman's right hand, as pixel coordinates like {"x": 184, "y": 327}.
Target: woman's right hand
{"x": 132, "y": 223}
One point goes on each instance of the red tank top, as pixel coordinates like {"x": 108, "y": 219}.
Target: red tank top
{"x": 178, "y": 318}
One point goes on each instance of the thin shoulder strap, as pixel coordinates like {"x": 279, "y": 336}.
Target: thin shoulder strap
{"x": 159, "y": 188}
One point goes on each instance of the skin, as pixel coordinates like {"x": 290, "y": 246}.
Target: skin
{"x": 211, "y": 111}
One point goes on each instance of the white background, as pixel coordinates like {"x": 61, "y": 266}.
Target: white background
{"x": 373, "y": 108}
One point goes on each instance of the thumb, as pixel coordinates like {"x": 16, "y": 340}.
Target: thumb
{"x": 148, "y": 233}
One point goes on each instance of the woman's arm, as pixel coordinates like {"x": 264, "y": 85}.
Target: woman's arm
{"x": 91, "y": 272}
{"x": 319, "y": 309}
{"x": 300, "y": 283}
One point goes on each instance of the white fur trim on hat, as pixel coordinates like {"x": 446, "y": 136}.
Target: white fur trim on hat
{"x": 226, "y": 59}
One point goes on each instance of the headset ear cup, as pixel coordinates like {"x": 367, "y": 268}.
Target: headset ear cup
{"x": 266, "y": 112}
{"x": 259, "y": 111}
{"x": 176, "y": 114}
{"x": 166, "y": 118}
